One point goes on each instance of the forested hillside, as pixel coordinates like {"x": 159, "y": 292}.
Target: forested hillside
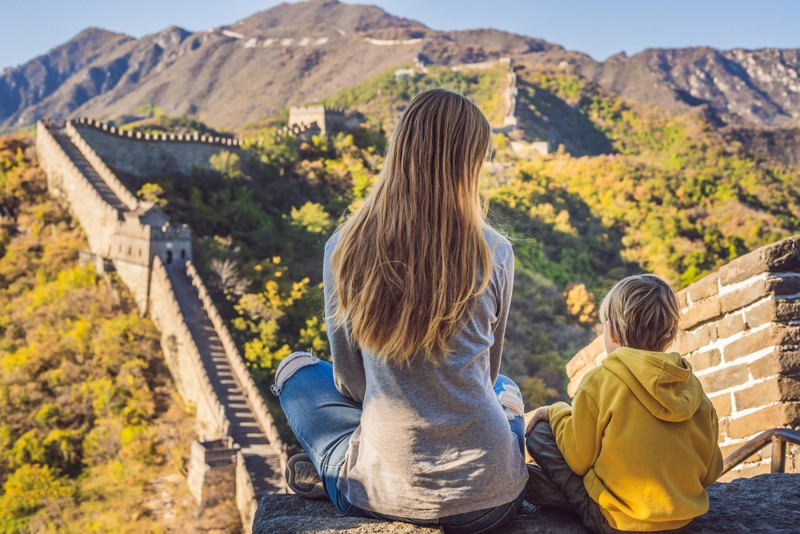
{"x": 629, "y": 188}
{"x": 93, "y": 437}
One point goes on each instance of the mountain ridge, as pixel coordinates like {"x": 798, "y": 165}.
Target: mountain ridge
{"x": 305, "y": 51}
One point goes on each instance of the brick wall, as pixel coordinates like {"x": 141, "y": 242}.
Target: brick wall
{"x": 740, "y": 330}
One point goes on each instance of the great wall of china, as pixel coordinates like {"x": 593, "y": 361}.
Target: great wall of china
{"x": 740, "y": 326}
{"x": 238, "y": 446}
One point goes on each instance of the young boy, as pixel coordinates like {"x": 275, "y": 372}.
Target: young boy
{"x": 638, "y": 446}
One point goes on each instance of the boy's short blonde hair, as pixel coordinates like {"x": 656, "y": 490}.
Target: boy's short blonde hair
{"x": 642, "y": 312}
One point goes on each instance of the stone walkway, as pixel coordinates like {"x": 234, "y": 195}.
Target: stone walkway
{"x": 262, "y": 462}
{"x": 87, "y": 169}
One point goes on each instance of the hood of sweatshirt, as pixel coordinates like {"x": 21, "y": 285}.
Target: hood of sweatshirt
{"x": 662, "y": 382}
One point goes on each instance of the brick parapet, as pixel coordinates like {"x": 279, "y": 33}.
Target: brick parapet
{"x": 102, "y": 126}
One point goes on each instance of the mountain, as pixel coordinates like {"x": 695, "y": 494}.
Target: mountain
{"x": 25, "y": 87}
{"x": 737, "y": 87}
{"x": 289, "y": 54}
{"x": 307, "y": 51}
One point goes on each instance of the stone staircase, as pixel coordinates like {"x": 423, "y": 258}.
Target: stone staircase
{"x": 87, "y": 169}
{"x": 262, "y": 462}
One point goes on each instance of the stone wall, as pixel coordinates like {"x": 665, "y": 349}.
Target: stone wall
{"x": 740, "y": 330}
{"x": 251, "y": 391}
{"x": 510, "y": 118}
{"x": 212, "y": 471}
{"x": 244, "y": 493}
{"x": 119, "y": 189}
{"x": 66, "y": 182}
{"x": 129, "y": 237}
{"x": 148, "y": 155}
{"x": 766, "y": 503}
{"x": 183, "y": 357}
{"x": 325, "y": 118}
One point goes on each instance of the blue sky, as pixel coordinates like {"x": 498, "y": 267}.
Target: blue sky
{"x": 597, "y": 27}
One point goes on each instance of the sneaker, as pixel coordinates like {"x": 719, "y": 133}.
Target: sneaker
{"x": 303, "y": 479}
{"x": 541, "y": 492}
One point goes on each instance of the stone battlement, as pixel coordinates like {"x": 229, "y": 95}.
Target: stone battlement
{"x": 147, "y": 155}
{"x": 301, "y": 131}
{"x": 171, "y": 233}
{"x": 740, "y": 330}
{"x": 84, "y": 122}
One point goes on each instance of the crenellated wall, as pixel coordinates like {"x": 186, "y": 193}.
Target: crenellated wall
{"x": 147, "y": 155}
{"x": 324, "y": 117}
{"x": 740, "y": 330}
{"x": 118, "y": 226}
{"x": 304, "y": 132}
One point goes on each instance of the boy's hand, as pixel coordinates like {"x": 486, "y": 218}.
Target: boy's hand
{"x": 539, "y": 414}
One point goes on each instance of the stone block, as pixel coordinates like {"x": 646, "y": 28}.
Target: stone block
{"x": 722, "y": 404}
{"x": 766, "y": 503}
{"x": 784, "y": 285}
{"x": 777, "y": 257}
{"x": 730, "y": 325}
{"x": 758, "y": 395}
{"x": 769, "y": 365}
{"x": 781, "y": 414}
{"x": 727, "y": 450}
{"x": 683, "y": 298}
{"x": 700, "y": 312}
{"x": 773, "y": 336}
{"x": 787, "y": 311}
{"x": 789, "y": 387}
{"x": 705, "y": 359}
{"x": 724, "y": 378}
{"x": 704, "y": 288}
{"x": 744, "y": 296}
{"x": 690, "y": 341}
{"x": 762, "y": 313}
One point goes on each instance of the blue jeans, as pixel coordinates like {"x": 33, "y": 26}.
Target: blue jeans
{"x": 323, "y": 423}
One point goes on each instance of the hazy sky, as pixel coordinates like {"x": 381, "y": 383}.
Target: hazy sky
{"x": 597, "y": 27}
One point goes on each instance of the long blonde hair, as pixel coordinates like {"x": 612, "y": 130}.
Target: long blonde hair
{"x": 407, "y": 261}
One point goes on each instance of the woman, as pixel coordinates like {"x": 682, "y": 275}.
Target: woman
{"x": 412, "y": 420}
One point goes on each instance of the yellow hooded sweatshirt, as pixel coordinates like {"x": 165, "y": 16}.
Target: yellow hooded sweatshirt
{"x": 643, "y": 435}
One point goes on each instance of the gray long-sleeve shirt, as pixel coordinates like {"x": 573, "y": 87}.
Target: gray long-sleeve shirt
{"x": 434, "y": 441}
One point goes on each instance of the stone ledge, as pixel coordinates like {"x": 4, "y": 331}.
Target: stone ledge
{"x": 765, "y": 503}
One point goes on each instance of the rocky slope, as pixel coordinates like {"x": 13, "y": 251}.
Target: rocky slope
{"x": 740, "y": 87}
